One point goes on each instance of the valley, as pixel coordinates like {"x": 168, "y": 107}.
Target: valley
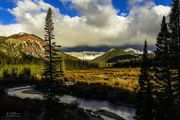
{"x": 89, "y": 60}
{"x": 84, "y": 72}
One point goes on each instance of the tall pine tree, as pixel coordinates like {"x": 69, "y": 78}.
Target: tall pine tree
{"x": 144, "y": 107}
{"x": 165, "y": 108}
{"x": 162, "y": 45}
{"x": 174, "y": 25}
{"x": 52, "y": 71}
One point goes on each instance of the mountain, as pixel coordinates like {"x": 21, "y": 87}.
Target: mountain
{"x": 90, "y": 55}
{"x": 85, "y": 55}
{"x": 136, "y": 51}
{"x": 133, "y": 50}
{"x": 26, "y": 45}
{"x": 114, "y": 55}
{"x": 104, "y": 48}
{"x": 28, "y": 48}
{"x": 21, "y": 44}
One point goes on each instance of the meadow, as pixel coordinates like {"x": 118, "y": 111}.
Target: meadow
{"x": 126, "y": 78}
{"x": 19, "y": 69}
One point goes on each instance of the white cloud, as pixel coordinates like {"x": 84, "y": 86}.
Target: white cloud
{"x": 162, "y": 10}
{"x": 10, "y": 29}
{"x": 97, "y": 24}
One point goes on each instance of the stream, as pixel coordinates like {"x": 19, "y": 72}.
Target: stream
{"x": 123, "y": 111}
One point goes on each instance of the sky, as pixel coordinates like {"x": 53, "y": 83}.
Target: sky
{"x": 87, "y": 22}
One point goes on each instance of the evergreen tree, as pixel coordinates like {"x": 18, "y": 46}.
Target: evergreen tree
{"x": 162, "y": 45}
{"x": 51, "y": 71}
{"x": 174, "y": 25}
{"x": 144, "y": 107}
{"x": 165, "y": 108}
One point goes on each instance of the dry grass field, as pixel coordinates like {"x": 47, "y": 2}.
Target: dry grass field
{"x": 126, "y": 78}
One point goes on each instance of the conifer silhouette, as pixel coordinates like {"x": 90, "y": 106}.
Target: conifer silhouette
{"x": 53, "y": 69}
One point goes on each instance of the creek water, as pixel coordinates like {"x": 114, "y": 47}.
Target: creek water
{"x": 123, "y": 111}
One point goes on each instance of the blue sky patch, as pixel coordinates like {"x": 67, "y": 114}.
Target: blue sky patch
{"x": 65, "y": 9}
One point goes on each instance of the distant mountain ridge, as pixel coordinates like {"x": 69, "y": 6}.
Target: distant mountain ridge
{"x": 104, "y": 48}
{"x": 133, "y": 50}
{"x": 91, "y": 55}
{"x": 85, "y": 55}
{"x": 114, "y": 55}
{"x": 26, "y": 45}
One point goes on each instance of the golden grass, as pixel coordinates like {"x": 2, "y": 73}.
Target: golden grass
{"x": 126, "y": 78}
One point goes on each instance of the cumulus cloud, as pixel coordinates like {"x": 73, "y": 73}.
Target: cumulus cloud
{"x": 162, "y": 10}
{"x": 98, "y": 22}
{"x": 96, "y": 12}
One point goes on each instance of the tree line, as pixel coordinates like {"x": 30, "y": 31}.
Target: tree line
{"x": 79, "y": 64}
{"x": 159, "y": 92}
{"x": 133, "y": 63}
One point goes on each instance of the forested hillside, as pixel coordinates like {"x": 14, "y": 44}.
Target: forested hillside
{"x": 28, "y": 48}
{"x": 115, "y": 55}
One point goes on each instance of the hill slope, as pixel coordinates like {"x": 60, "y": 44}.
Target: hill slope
{"x": 25, "y": 48}
{"x": 23, "y": 45}
{"x": 19, "y": 45}
{"x": 115, "y": 55}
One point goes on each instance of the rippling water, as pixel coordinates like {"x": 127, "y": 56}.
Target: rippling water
{"x": 121, "y": 110}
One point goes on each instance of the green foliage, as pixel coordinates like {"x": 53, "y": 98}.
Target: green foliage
{"x": 128, "y": 63}
{"x": 174, "y": 27}
{"x": 53, "y": 62}
{"x": 51, "y": 71}
{"x": 144, "y": 107}
{"x": 79, "y": 64}
{"x": 13, "y": 51}
{"x": 115, "y": 55}
{"x": 136, "y": 62}
{"x": 160, "y": 81}
{"x": 165, "y": 106}
{"x": 162, "y": 45}
{"x": 34, "y": 69}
